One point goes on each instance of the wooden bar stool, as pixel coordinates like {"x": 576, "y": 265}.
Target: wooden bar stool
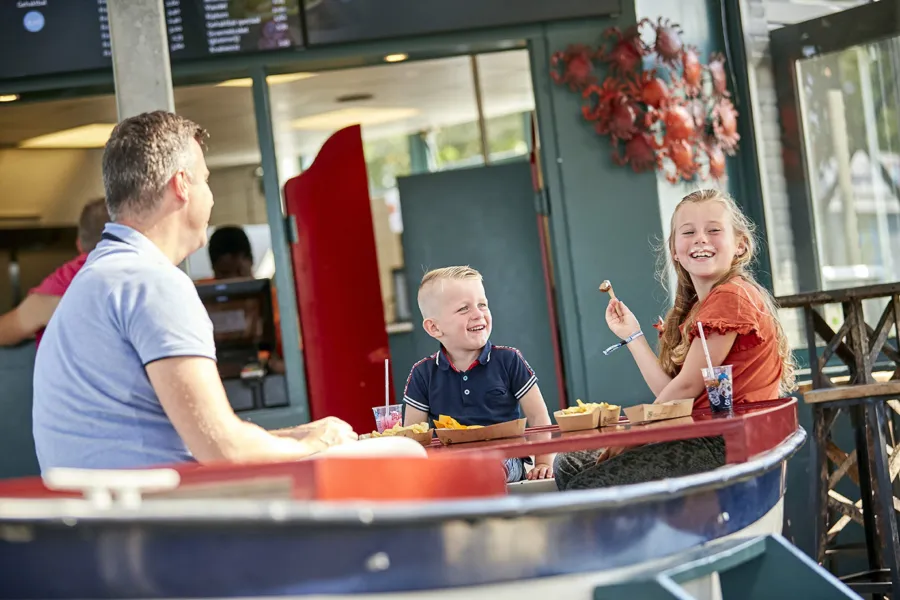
{"x": 872, "y": 465}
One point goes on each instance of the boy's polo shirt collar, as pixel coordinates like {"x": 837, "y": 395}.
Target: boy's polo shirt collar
{"x": 440, "y": 358}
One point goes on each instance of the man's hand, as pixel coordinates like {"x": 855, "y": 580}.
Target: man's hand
{"x": 321, "y": 434}
{"x": 296, "y": 429}
{"x": 540, "y": 471}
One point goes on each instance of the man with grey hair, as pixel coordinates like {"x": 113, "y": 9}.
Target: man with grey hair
{"x": 126, "y": 374}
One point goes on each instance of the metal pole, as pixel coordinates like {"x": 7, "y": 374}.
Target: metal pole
{"x": 139, "y": 46}
{"x": 479, "y": 104}
{"x": 285, "y": 288}
{"x": 878, "y": 187}
{"x": 841, "y": 148}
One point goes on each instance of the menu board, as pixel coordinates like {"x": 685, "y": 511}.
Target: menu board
{"x": 44, "y": 37}
{"x": 340, "y": 21}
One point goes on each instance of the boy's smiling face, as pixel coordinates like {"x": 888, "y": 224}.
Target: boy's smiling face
{"x": 461, "y": 319}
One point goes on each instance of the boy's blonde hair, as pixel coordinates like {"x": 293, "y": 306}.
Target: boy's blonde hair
{"x": 433, "y": 281}
{"x": 674, "y": 341}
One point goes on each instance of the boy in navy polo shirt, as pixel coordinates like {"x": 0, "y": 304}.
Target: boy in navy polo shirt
{"x": 469, "y": 378}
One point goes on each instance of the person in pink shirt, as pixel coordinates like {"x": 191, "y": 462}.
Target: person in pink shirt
{"x": 30, "y": 317}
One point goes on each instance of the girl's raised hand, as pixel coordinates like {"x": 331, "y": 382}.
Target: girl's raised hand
{"x": 620, "y": 320}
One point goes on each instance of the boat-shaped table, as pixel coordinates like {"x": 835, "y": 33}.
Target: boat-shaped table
{"x": 752, "y": 429}
{"x": 542, "y": 545}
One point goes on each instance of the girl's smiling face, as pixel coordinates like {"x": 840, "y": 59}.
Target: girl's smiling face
{"x": 705, "y": 241}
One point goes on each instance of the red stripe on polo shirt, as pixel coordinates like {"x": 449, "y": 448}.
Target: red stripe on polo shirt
{"x": 452, "y": 366}
{"x": 413, "y": 370}
{"x": 519, "y": 354}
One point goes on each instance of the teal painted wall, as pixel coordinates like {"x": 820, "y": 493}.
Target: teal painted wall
{"x": 700, "y": 22}
{"x": 605, "y": 220}
{"x": 17, "y": 457}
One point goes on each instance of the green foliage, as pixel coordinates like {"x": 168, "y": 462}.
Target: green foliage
{"x": 388, "y": 158}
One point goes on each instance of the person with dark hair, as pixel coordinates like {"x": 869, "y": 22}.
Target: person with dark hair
{"x": 126, "y": 376}
{"x": 231, "y": 257}
{"x": 29, "y": 318}
{"x": 230, "y": 253}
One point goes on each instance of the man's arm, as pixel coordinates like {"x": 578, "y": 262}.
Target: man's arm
{"x": 536, "y": 414}
{"x": 22, "y": 322}
{"x": 191, "y": 393}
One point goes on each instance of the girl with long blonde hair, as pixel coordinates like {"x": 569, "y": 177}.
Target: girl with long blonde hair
{"x": 711, "y": 245}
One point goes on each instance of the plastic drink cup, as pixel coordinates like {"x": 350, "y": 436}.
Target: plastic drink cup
{"x": 719, "y": 388}
{"x": 387, "y": 416}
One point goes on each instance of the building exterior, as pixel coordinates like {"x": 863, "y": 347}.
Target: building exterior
{"x": 263, "y": 91}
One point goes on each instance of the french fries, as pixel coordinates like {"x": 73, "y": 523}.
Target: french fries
{"x": 445, "y": 422}
{"x": 586, "y": 408}
{"x": 399, "y": 429}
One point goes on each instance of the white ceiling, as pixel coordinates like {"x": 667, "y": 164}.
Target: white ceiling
{"x": 441, "y": 92}
{"x": 788, "y": 12}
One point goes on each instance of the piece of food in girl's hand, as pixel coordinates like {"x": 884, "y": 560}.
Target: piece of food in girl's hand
{"x": 606, "y": 286}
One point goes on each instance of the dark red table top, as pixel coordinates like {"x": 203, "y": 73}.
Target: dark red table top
{"x": 754, "y": 428}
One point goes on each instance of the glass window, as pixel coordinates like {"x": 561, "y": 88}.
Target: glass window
{"x": 232, "y": 154}
{"x": 416, "y": 117}
{"x": 508, "y": 100}
{"x": 849, "y": 106}
{"x": 66, "y": 138}
{"x": 781, "y": 242}
{"x": 50, "y": 165}
{"x": 238, "y": 219}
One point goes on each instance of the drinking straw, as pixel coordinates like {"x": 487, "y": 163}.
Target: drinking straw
{"x": 705, "y": 349}
{"x": 387, "y": 386}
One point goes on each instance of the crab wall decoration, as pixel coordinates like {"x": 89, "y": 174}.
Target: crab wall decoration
{"x": 675, "y": 115}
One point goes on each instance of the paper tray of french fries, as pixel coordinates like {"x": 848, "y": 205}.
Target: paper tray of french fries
{"x": 450, "y": 431}
{"x": 419, "y": 432}
{"x": 643, "y": 413}
{"x": 587, "y": 416}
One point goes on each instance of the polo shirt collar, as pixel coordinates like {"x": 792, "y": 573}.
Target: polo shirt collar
{"x": 440, "y": 358}
{"x": 136, "y": 239}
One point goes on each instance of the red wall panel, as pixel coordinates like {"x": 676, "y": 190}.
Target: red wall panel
{"x": 338, "y": 289}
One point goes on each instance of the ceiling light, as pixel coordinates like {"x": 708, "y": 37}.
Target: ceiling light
{"x": 238, "y": 83}
{"x": 345, "y": 117}
{"x": 354, "y": 98}
{"x": 9, "y": 97}
{"x": 271, "y": 79}
{"x": 393, "y": 58}
{"x": 94, "y": 135}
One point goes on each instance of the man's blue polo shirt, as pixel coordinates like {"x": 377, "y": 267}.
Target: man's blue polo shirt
{"x": 488, "y": 392}
{"x": 94, "y": 406}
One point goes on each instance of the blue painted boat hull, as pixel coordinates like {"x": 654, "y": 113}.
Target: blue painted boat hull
{"x": 225, "y": 549}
